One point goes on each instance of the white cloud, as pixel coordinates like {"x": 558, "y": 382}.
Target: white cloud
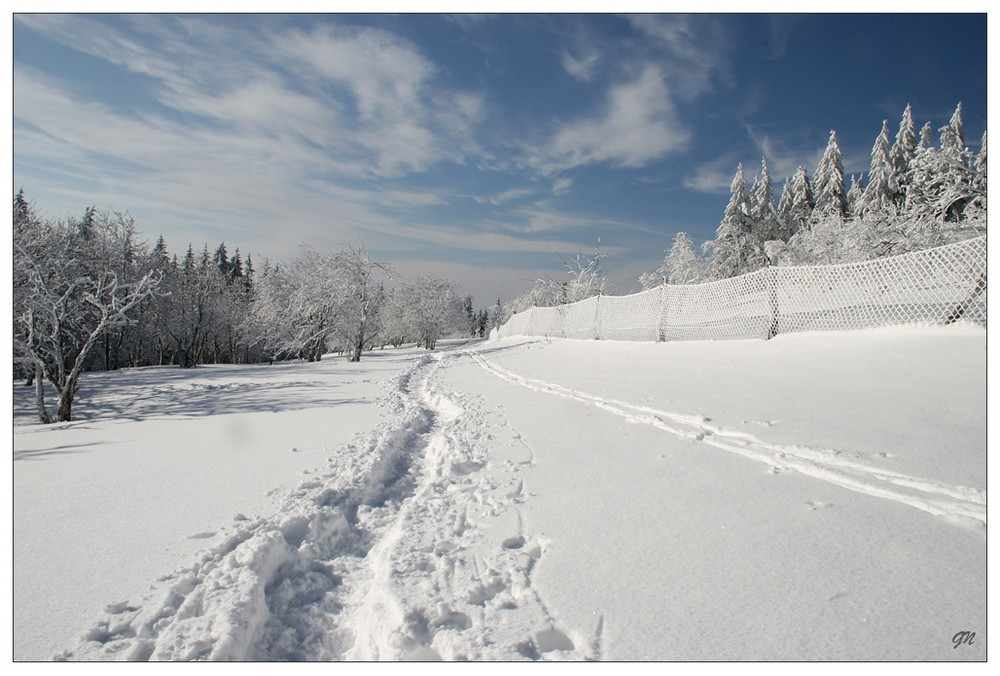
{"x": 440, "y": 236}
{"x": 500, "y": 198}
{"x": 638, "y": 125}
{"x": 713, "y": 177}
{"x": 562, "y": 185}
{"x": 402, "y": 118}
{"x": 693, "y": 50}
{"x": 582, "y": 68}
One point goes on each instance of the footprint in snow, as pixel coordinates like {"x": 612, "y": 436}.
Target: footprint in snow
{"x": 817, "y": 504}
{"x": 515, "y": 542}
{"x": 120, "y": 607}
{"x": 202, "y": 536}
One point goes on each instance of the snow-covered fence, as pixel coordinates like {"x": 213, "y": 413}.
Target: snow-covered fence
{"x": 938, "y": 285}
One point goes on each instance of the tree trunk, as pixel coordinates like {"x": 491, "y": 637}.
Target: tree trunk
{"x": 358, "y": 349}
{"x": 65, "y": 413}
{"x": 43, "y": 415}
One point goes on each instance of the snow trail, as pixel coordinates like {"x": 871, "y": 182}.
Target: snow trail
{"x": 962, "y": 505}
{"x": 410, "y": 546}
{"x": 274, "y": 588}
{"x": 451, "y": 578}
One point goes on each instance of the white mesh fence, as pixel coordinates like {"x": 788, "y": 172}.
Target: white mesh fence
{"x": 939, "y": 286}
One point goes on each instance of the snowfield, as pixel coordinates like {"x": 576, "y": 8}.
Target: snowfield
{"x": 817, "y": 496}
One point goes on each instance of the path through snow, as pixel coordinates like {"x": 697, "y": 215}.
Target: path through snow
{"x": 409, "y": 546}
{"x": 574, "y": 500}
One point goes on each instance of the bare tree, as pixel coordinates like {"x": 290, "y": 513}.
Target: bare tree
{"x": 67, "y": 301}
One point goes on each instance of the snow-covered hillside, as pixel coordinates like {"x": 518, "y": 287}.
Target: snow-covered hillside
{"x": 813, "y": 497}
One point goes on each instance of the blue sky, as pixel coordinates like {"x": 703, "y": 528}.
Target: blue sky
{"x": 484, "y": 148}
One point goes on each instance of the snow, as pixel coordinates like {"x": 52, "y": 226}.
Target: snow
{"x": 813, "y": 497}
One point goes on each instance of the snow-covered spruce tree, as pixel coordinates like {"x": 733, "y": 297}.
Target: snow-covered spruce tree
{"x": 681, "y": 265}
{"x": 736, "y": 248}
{"x": 496, "y": 315}
{"x": 854, "y": 195}
{"x": 977, "y": 207}
{"x": 785, "y": 211}
{"x": 764, "y": 211}
{"x": 68, "y": 295}
{"x": 802, "y": 205}
{"x": 953, "y": 134}
{"x": 882, "y": 186}
{"x": 828, "y": 181}
{"x": 901, "y": 155}
{"x": 469, "y": 310}
{"x": 482, "y": 323}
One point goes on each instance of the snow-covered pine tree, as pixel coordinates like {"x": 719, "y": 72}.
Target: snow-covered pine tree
{"x": 763, "y": 209}
{"x": 188, "y": 265}
{"x": 855, "y": 195}
{"x": 496, "y": 315}
{"x": 802, "y": 201}
{"x": 977, "y": 208}
{"x": 926, "y": 137}
{"x": 981, "y": 157}
{"x": 953, "y": 134}
{"x": 785, "y": 211}
{"x": 736, "y": 249}
{"x": 159, "y": 257}
{"x": 901, "y": 154}
{"x": 878, "y": 196}
{"x": 828, "y": 181}
{"x": 237, "y": 264}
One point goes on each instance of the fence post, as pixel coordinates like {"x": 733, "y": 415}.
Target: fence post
{"x": 597, "y": 317}
{"x": 661, "y": 334}
{"x": 772, "y": 301}
{"x": 957, "y": 313}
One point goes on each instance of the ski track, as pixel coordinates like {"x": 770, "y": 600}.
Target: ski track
{"x": 409, "y": 545}
{"x": 962, "y": 505}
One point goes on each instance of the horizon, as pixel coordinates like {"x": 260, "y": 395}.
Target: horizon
{"x": 478, "y": 148}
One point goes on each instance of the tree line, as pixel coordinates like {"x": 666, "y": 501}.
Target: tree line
{"x": 914, "y": 196}
{"x": 89, "y": 295}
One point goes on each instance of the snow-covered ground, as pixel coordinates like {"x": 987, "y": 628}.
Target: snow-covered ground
{"x": 812, "y": 497}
